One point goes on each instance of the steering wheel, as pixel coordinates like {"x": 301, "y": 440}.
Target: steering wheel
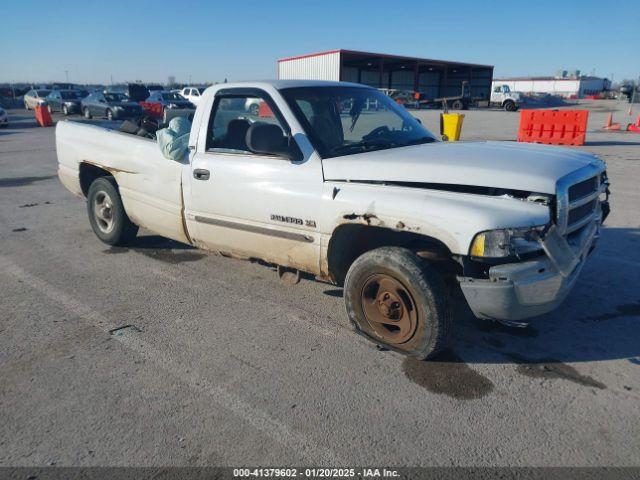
{"x": 377, "y": 133}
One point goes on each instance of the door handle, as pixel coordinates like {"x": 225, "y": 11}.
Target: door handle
{"x": 201, "y": 174}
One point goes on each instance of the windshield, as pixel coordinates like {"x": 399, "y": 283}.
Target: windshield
{"x": 115, "y": 97}
{"x": 172, "y": 96}
{"x": 348, "y": 120}
{"x": 43, "y": 93}
{"x": 69, "y": 95}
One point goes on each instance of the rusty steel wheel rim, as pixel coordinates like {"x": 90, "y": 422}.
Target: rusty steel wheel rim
{"x": 389, "y": 308}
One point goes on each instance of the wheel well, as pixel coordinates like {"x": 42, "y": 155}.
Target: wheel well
{"x": 88, "y": 173}
{"x": 350, "y": 241}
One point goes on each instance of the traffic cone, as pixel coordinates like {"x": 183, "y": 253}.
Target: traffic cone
{"x": 610, "y": 125}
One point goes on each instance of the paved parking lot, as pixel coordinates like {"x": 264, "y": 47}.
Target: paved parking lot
{"x": 160, "y": 354}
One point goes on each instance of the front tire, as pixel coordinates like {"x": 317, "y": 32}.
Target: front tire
{"x": 109, "y": 114}
{"x": 65, "y": 110}
{"x": 87, "y": 113}
{"x": 108, "y": 219}
{"x": 510, "y": 106}
{"x": 394, "y": 298}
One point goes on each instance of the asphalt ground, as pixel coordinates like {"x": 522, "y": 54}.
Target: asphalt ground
{"x": 163, "y": 355}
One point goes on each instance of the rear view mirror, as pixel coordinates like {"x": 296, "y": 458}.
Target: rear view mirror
{"x": 269, "y": 139}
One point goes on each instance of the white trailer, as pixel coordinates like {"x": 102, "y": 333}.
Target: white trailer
{"x": 564, "y": 87}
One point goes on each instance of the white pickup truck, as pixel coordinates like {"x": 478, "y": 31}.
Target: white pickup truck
{"x": 359, "y": 196}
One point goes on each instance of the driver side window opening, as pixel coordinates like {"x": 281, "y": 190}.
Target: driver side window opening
{"x": 230, "y": 120}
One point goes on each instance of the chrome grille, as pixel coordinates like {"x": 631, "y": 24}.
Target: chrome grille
{"x": 583, "y": 188}
{"x": 577, "y": 197}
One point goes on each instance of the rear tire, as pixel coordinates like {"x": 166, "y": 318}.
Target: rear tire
{"x": 457, "y": 105}
{"x": 108, "y": 219}
{"x": 394, "y": 298}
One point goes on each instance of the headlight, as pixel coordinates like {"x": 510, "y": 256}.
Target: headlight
{"x": 506, "y": 242}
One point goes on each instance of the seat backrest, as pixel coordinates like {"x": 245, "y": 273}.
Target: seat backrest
{"x": 235, "y": 138}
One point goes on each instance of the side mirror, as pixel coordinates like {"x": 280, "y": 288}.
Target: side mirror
{"x": 269, "y": 139}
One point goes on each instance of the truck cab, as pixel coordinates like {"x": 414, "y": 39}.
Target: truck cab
{"x": 502, "y": 96}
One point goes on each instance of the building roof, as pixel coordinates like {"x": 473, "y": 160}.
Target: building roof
{"x": 385, "y": 56}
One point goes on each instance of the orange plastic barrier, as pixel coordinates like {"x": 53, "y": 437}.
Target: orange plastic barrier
{"x": 634, "y": 127}
{"x": 264, "y": 111}
{"x": 554, "y": 127}
{"x": 43, "y": 117}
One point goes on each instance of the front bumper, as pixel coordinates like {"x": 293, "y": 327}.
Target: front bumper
{"x": 516, "y": 291}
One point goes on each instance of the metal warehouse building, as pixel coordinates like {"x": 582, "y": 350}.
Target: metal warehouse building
{"x": 432, "y": 78}
{"x": 568, "y": 87}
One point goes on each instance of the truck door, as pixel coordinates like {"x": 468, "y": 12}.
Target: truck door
{"x": 248, "y": 204}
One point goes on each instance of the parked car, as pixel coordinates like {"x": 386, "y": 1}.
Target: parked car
{"x": 65, "y": 101}
{"x": 161, "y": 102}
{"x": 136, "y": 92}
{"x": 252, "y": 106}
{"x": 169, "y": 99}
{"x": 373, "y": 202}
{"x": 110, "y": 105}
{"x": 4, "y": 119}
{"x": 192, "y": 94}
{"x": 34, "y": 97}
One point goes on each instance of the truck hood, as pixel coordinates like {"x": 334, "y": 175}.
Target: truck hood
{"x": 508, "y": 165}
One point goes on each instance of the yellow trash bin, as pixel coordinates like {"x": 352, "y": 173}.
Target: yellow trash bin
{"x": 451, "y": 126}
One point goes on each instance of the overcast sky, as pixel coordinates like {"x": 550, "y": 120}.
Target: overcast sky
{"x": 94, "y": 42}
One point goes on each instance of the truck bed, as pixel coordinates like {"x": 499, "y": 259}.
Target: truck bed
{"x": 150, "y": 185}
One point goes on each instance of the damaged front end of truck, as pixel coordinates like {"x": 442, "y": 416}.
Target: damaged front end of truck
{"x": 513, "y": 274}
